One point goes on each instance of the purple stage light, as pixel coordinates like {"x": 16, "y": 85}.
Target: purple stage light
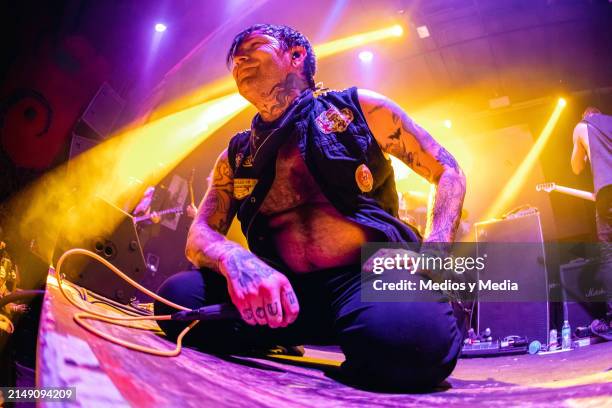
{"x": 160, "y": 28}
{"x": 366, "y": 56}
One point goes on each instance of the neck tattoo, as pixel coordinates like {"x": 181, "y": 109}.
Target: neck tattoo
{"x": 280, "y": 97}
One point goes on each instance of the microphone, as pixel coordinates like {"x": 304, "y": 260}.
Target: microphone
{"x": 221, "y": 311}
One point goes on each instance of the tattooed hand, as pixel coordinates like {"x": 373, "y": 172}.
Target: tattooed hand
{"x": 263, "y": 295}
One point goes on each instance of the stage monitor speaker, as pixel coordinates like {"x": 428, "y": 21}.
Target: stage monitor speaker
{"x": 80, "y": 144}
{"x": 529, "y": 319}
{"x": 109, "y": 232}
{"x": 583, "y": 289}
{"x": 101, "y": 114}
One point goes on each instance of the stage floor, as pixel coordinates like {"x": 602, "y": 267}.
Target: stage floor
{"x": 105, "y": 374}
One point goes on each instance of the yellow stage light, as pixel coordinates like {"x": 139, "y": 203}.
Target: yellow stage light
{"x": 170, "y": 139}
{"x": 397, "y": 30}
{"x": 109, "y": 170}
{"x": 222, "y": 86}
{"x": 347, "y": 43}
{"x": 514, "y": 185}
{"x": 448, "y": 123}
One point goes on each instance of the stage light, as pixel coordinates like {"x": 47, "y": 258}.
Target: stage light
{"x": 160, "y": 27}
{"x": 347, "y": 43}
{"x": 366, "y": 56}
{"x": 397, "y": 30}
{"x": 516, "y": 182}
{"x": 448, "y": 123}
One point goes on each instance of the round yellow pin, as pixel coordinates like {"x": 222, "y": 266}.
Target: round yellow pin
{"x": 364, "y": 178}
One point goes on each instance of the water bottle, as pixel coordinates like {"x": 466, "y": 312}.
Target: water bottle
{"x": 566, "y": 336}
{"x": 552, "y": 340}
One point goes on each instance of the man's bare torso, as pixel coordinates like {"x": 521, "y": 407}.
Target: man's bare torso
{"x": 308, "y": 232}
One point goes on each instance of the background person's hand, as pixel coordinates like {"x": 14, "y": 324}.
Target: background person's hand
{"x": 191, "y": 210}
{"x": 261, "y": 294}
{"x": 155, "y": 217}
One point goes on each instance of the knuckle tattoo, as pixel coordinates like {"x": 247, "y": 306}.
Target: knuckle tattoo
{"x": 272, "y": 308}
{"x": 290, "y": 297}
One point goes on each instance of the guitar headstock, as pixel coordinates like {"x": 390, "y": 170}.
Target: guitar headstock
{"x": 548, "y": 187}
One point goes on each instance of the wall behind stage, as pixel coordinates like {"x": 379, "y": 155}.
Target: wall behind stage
{"x": 44, "y": 93}
{"x": 489, "y": 160}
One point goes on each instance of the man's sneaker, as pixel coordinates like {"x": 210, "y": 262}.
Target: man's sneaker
{"x": 601, "y": 328}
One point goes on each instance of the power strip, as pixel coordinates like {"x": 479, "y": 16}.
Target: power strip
{"x": 490, "y": 349}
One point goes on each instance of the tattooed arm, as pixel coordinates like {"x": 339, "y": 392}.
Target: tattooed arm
{"x": 206, "y": 242}
{"x": 261, "y": 294}
{"x": 398, "y": 135}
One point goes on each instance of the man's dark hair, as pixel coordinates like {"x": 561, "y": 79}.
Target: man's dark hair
{"x": 288, "y": 37}
{"x": 591, "y": 110}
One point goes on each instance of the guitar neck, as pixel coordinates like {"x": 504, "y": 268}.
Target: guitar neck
{"x": 160, "y": 213}
{"x": 170, "y": 210}
{"x": 585, "y": 195}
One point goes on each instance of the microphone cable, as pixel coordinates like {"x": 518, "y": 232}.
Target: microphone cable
{"x": 213, "y": 312}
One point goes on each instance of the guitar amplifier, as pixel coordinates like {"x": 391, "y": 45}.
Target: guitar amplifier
{"x": 583, "y": 289}
{"x": 109, "y": 232}
{"x": 506, "y": 317}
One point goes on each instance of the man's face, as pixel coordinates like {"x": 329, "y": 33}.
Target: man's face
{"x": 259, "y": 64}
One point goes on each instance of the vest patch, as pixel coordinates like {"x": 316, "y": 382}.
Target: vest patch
{"x": 243, "y": 187}
{"x": 248, "y": 161}
{"x": 364, "y": 178}
{"x": 238, "y": 159}
{"x": 334, "y": 120}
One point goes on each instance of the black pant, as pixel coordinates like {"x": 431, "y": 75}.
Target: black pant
{"x": 603, "y": 214}
{"x": 395, "y": 345}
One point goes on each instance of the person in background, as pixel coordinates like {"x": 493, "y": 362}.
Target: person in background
{"x": 593, "y": 143}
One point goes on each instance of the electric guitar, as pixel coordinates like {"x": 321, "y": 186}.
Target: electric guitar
{"x": 550, "y": 187}
{"x": 175, "y": 210}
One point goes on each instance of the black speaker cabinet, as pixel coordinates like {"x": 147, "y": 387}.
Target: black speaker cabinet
{"x": 583, "y": 290}
{"x": 499, "y": 312}
{"x": 106, "y": 230}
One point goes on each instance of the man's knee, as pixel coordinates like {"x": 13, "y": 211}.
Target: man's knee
{"x": 397, "y": 353}
{"x": 185, "y": 289}
{"x": 400, "y": 368}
